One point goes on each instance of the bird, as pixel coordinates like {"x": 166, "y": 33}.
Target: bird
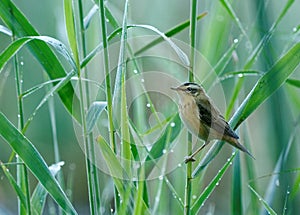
{"x": 203, "y": 119}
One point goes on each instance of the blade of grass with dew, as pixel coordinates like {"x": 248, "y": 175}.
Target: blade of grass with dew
{"x": 93, "y": 114}
{"x": 49, "y": 94}
{"x": 265, "y": 204}
{"x": 118, "y": 173}
{"x": 182, "y": 56}
{"x": 263, "y": 89}
{"x": 119, "y": 96}
{"x": 14, "y": 185}
{"x": 15, "y": 46}
{"x": 253, "y": 56}
{"x": 268, "y": 84}
{"x": 233, "y": 15}
{"x": 39, "y": 194}
{"x": 34, "y": 161}
{"x": 14, "y": 19}
{"x": 91, "y": 170}
{"x": 280, "y": 164}
{"x": 169, "y": 33}
{"x": 172, "y": 130}
{"x": 212, "y": 185}
{"x": 177, "y": 29}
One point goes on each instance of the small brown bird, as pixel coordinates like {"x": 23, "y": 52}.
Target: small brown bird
{"x": 203, "y": 119}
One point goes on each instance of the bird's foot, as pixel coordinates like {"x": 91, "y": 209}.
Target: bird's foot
{"x": 189, "y": 159}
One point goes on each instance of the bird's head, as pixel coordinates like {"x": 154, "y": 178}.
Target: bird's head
{"x": 189, "y": 89}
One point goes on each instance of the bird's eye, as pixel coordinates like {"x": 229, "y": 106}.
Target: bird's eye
{"x": 191, "y": 90}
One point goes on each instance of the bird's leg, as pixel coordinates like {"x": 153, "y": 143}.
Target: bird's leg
{"x": 191, "y": 157}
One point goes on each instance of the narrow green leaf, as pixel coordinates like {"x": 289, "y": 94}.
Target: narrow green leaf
{"x": 21, "y": 27}
{"x": 71, "y": 32}
{"x": 118, "y": 173}
{"x": 14, "y": 184}
{"x": 293, "y": 82}
{"x": 15, "y": 46}
{"x": 267, "y": 207}
{"x": 50, "y": 93}
{"x": 268, "y": 84}
{"x": 212, "y": 185}
{"x": 93, "y": 114}
{"x": 89, "y": 16}
{"x": 236, "y": 194}
{"x": 34, "y": 161}
{"x": 265, "y": 39}
{"x": 171, "y": 32}
{"x": 39, "y": 194}
{"x": 170, "y": 133}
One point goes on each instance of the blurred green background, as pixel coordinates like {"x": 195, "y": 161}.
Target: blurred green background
{"x": 268, "y": 129}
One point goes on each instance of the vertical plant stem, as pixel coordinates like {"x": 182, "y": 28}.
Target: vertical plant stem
{"x": 188, "y": 186}
{"x": 94, "y": 195}
{"x": 22, "y": 176}
{"x": 90, "y": 136}
{"x": 108, "y": 86}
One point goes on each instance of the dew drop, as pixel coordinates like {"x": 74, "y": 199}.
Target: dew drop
{"x": 179, "y": 165}
{"x": 294, "y": 29}
{"x": 277, "y": 183}
{"x": 148, "y": 105}
{"x": 240, "y": 75}
{"x": 236, "y": 40}
{"x": 22, "y": 63}
{"x": 157, "y": 199}
{"x": 172, "y": 124}
{"x": 107, "y": 20}
{"x": 288, "y": 192}
{"x": 194, "y": 196}
{"x": 161, "y": 177}
{"x": 135, "y": 71}
{"x": 142, "y": 80}
{"x": 164, "y": 151}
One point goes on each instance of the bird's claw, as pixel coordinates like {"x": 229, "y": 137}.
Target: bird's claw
{"x": 189, "y": 159}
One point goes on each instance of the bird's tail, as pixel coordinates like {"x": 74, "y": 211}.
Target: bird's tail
{"x": 234, "y": 142}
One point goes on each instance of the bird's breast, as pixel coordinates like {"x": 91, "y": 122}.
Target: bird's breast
{"x": 189, "y": 114}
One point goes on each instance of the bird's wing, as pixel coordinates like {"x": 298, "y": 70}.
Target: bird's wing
{"x": 212, "y": 118}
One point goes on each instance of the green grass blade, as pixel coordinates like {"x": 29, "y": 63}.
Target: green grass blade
{"x": 262, "y": 90}
{"x": 18, "y": 23}
{"x": 39, "y": 194}
{"x": 15, "y": 46}
{"x": 293, "y": 82}
{"x": 236, "y": 194}
{"x": 120, "y": 177}
{"x": 171, "y": 132}
{"x": 49, "y": 94}
{"x": 252, "y": 57}
{"x": 93, "y": 114}
{"x": 233, "y": 15}
{"x": 265, "y": 204}
{"x": 14, "y": 184}
{"x": 268, "y": 84}
{"x": 169, "y": 33}
{"x": 70, "y": 24}
{"x": 89, "y": 16}
{"x": 212, "y": 185}
{"x": 34, "y": 161}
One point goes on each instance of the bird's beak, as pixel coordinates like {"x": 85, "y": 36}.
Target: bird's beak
{"x": 175, "y": 88}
